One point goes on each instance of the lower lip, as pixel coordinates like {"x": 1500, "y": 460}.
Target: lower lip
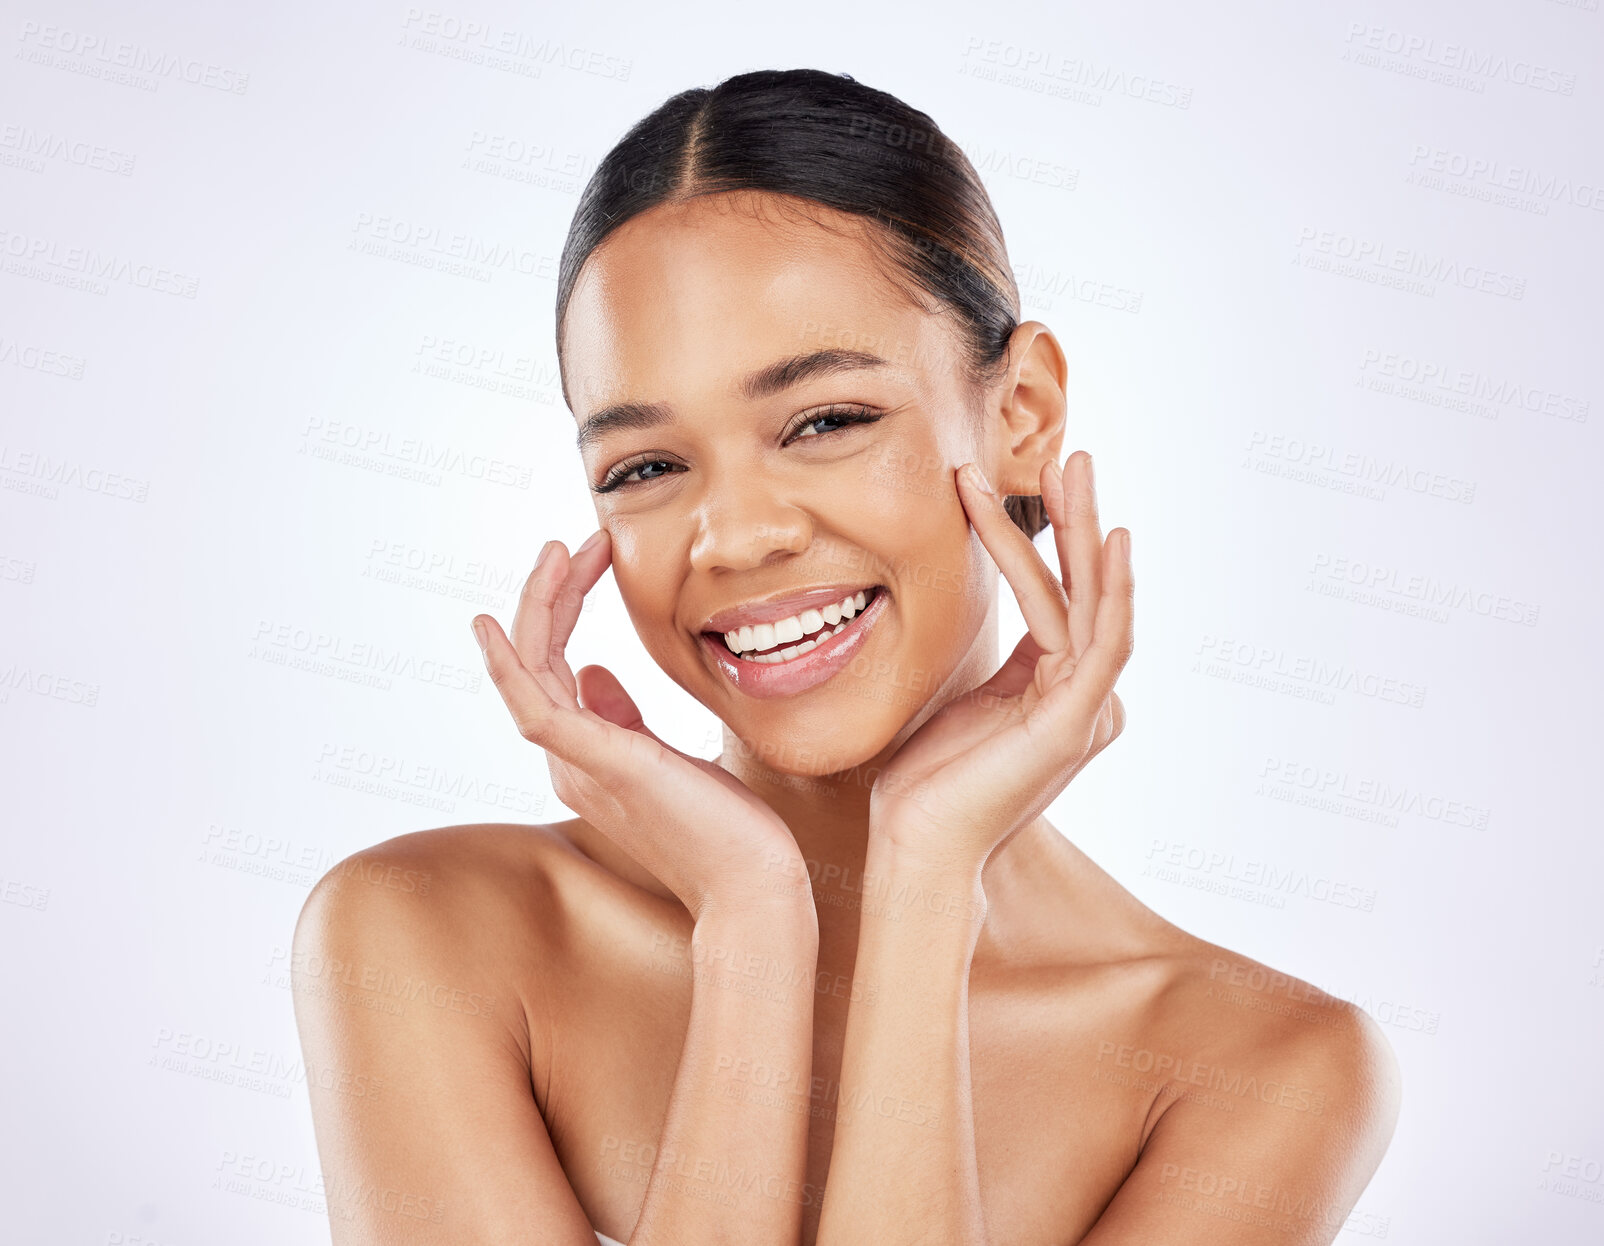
{"x": 784, "y": 679}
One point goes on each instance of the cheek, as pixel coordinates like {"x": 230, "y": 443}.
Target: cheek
{"x": 946, "y": 583}
{"x": 625, "y": 539}
{"x": 638, "y": 570}
{"x": 936, "y": 563}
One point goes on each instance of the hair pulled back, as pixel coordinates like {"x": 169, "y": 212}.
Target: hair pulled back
{"x": 828, "y": 138}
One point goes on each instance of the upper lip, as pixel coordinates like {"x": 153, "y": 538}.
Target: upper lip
{"x": 772, "y": 609}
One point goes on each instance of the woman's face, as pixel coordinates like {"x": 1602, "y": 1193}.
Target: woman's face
{"x": 746, "y": 478}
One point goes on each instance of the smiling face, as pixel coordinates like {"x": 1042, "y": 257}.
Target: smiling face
{"x": 770, "y": 427}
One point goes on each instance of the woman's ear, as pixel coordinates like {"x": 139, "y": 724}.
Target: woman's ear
{"x": 1030, "y": 401}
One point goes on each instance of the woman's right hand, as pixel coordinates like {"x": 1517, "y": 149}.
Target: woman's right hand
{"x": 694, "y": 825}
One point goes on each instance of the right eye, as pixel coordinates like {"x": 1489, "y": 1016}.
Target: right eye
{"x": 619, "y": 477}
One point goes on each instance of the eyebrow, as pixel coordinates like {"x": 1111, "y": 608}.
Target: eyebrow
{"x": 764, "y": 383}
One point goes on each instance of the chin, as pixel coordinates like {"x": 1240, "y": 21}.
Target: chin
{"x": 815, "y": 742}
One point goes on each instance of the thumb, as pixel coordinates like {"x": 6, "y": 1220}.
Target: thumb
{"x": 602, "y": 694}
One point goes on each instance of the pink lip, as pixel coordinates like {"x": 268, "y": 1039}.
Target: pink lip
{"x": 775, "y": 608}
{"x": 784, "y": 679}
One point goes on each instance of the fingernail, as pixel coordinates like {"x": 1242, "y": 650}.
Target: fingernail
{"x": 978, "y": 477}
{"x": 479, "y": 635}
{"x": 1125, "y": 544}
{"x": 545, "y": 553}
{"x": 1089, "y": 478}
{"x": 590, "y": 541}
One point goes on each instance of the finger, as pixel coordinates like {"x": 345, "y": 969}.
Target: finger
{"x": 1015, "y": 675}
{"x": 1070, "y": 708}
{"x": 602, "y": 694}
{"x": 584, "y": 569}
{"x": 1041, "y": 597}
{"x": 1072, "y": 508}
{"x": 1060, "y": 734}
{"x": 540, "y": 719}
{"x": 1110, "y": 722}
{"x": 534, "y": 623}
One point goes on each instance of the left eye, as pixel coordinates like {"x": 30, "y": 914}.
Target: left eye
{"x": 842, "y": 419}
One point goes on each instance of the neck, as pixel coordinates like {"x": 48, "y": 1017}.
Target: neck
{"x": 829, "y": 815}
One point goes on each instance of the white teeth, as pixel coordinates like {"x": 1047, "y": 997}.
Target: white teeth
{"x": 756, "y": 638}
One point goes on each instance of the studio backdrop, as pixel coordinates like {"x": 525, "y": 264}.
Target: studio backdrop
{"x": 279, "y": 413}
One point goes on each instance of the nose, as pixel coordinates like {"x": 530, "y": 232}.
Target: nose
{"x": 742, "y": 525}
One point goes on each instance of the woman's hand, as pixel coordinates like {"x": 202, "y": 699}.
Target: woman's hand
{"x": 986, "y": 764}
{"x": 690, "y": 822}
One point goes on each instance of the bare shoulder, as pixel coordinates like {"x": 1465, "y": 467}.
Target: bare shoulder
{"x": 426, "y": 881}
{"x": 1275, "y": 1103}
{"x": 423, "y": 969}
{"x": 1238, "y": 1008}
{"x": 513, "y": 910}
{"x": 466, "y": 911}
{"x": 501, "y": 875}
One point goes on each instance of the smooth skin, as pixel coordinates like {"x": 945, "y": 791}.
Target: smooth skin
{"x": 846, "y": 984}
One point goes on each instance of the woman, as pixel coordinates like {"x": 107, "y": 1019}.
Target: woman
{"x": 845, "y": 985}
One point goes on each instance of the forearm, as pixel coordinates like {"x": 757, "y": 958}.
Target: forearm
{"x": 732, "y": 1157}
{"x": 903, "y": 1164}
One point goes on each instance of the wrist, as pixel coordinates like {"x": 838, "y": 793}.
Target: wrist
{"x": 776, "y": 917}
{"x": 914, "y": 849}
{"x": 774, "y": 883}
{"x": 921, "y": 882}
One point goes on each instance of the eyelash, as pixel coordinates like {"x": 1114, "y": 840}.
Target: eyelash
{"x": 846, "y": 415}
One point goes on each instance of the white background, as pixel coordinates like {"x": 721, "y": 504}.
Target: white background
{"x": 233, "y": 651}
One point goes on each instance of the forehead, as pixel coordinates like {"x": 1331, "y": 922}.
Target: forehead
{"x": 688, "y": 297}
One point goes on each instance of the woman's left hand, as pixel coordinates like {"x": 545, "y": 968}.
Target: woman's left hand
{"x": 986, "y": 764}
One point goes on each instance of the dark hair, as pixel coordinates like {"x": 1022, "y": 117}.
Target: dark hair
{"x": 828, "y": 138}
